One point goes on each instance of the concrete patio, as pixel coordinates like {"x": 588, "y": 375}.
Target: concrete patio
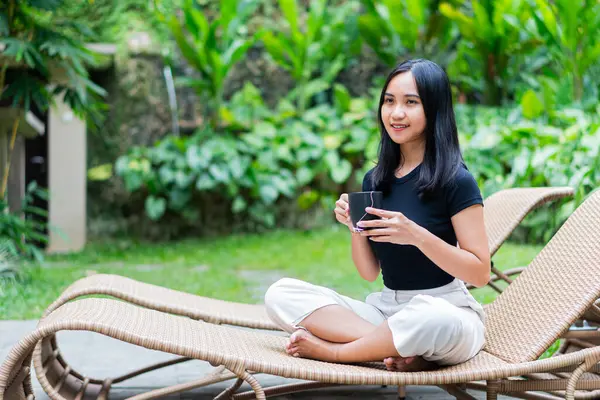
{"x": 100, "y": 357}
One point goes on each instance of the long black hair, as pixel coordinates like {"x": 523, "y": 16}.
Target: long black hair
{"x": 442, "y": 157}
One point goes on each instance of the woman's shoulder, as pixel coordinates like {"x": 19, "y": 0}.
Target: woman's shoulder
{"x": 463, "y": 175}
{"x": 462, "y": 182}
{"x": 463, "y": 191}
{"x": 458, "y": 179}
{"x": 369, "y": 173}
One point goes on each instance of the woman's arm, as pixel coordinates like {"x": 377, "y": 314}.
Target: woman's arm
{"x": 365, "y": 261}
{"x": 470, "y": 262}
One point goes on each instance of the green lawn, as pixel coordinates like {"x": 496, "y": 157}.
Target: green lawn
{"x": 233, "y": 268}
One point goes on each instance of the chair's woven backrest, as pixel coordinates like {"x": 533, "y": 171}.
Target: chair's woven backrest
{"x": 505, "y": 209}
{"x": 552, "y": 292}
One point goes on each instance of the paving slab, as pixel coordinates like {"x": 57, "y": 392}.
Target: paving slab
{"x": 98, "y": 356}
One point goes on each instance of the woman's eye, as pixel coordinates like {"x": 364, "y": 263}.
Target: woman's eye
{"x": 412, "y": 102}
{"x": 388, "y": 100}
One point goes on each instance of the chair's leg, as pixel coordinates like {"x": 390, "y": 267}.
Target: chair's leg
{"x": 16, "y": 390}
{"x": 227, "y": 393}
{"x": 243, "y": 375}
{"x": 260, "y": 394}
{"x": 501, "y": 275}
{"x": 572, "y": 383}
{"x": 106, "y": 386}
{"x": 457, "y": 391}
{"x": 492, "y": 389}
{"x": 284, "y": 389}
{"x": 401, "y": 392}
{"x": 214, "y": 377}
{"x": 495, "y": 287}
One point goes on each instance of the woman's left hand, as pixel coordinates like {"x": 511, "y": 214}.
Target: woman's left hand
{"x": 393, "y": 227}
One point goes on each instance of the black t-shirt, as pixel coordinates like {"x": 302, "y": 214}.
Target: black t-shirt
{"x": 405, "y": 267}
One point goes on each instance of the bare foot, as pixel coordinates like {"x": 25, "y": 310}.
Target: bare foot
{"x": 408, "y": 364}
{"x": 306, "y": 345}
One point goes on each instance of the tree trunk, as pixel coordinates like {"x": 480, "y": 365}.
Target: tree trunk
{"x": 492, "y": 91}
{"x": 577, "y": 86}
{"x": 8, "y": 159}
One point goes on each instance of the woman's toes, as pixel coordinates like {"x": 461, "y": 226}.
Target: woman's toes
{"x": 294, "y": 337}
{"x": 394, "y": 363}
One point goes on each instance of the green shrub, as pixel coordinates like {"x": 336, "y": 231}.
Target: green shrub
{"x": 561, "y": 149}
{"x": 316, "y": 51}
{"x": 267, "y": 156}
{"x": 20, "y": 232}
{"x": 213, "y": 48}
{"x": 395, "y": 28}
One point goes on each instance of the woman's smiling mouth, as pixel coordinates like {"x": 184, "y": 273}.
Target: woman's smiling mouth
{"x": 399, "y": 127}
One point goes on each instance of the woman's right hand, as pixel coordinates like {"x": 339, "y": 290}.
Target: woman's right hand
{"x": 342, "y": 211}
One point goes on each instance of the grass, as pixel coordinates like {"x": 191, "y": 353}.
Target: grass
{"x": 232, "y": 268}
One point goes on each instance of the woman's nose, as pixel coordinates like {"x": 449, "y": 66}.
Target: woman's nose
{"x": 398, "y": 113}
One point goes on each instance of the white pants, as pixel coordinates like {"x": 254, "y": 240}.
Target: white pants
{"x": 444, "y": 324}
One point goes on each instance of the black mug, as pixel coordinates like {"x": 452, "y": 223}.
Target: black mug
{"x": 358, "y": 201}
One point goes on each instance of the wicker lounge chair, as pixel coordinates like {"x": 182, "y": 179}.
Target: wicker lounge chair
{"x": 559, "y": 285}
{"x": 504, "y": 210}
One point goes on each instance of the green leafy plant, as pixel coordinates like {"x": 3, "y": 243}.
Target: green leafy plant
{"x": 559, "y": 150}
{"x": 20, "y": 231}
{"x": 213, "y": 48}
{"x": 492, "y": 36}
{"x": 175, "y": 171}
{"x": 307, "y": 157}
{"x": 395, "y": 29}
{"x": 323, "y": 146}
{"x": 7, "y": 259}
{"x": 569, "y": 29}
{"x": 313, "y": 56}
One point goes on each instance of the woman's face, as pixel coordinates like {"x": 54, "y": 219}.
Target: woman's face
{"x": 402, "y": 110}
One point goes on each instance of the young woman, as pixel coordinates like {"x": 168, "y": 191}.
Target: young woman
{"x": 430, "y": 239}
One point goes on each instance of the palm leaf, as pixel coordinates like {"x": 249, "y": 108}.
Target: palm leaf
{"x": 188, "y": 51}
{"x": 8, "y": 257}
{"x": 290, "y": 12}
{"x": 26, "y": 89}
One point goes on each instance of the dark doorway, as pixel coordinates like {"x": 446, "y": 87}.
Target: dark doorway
{"x": 36, "y": 170}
